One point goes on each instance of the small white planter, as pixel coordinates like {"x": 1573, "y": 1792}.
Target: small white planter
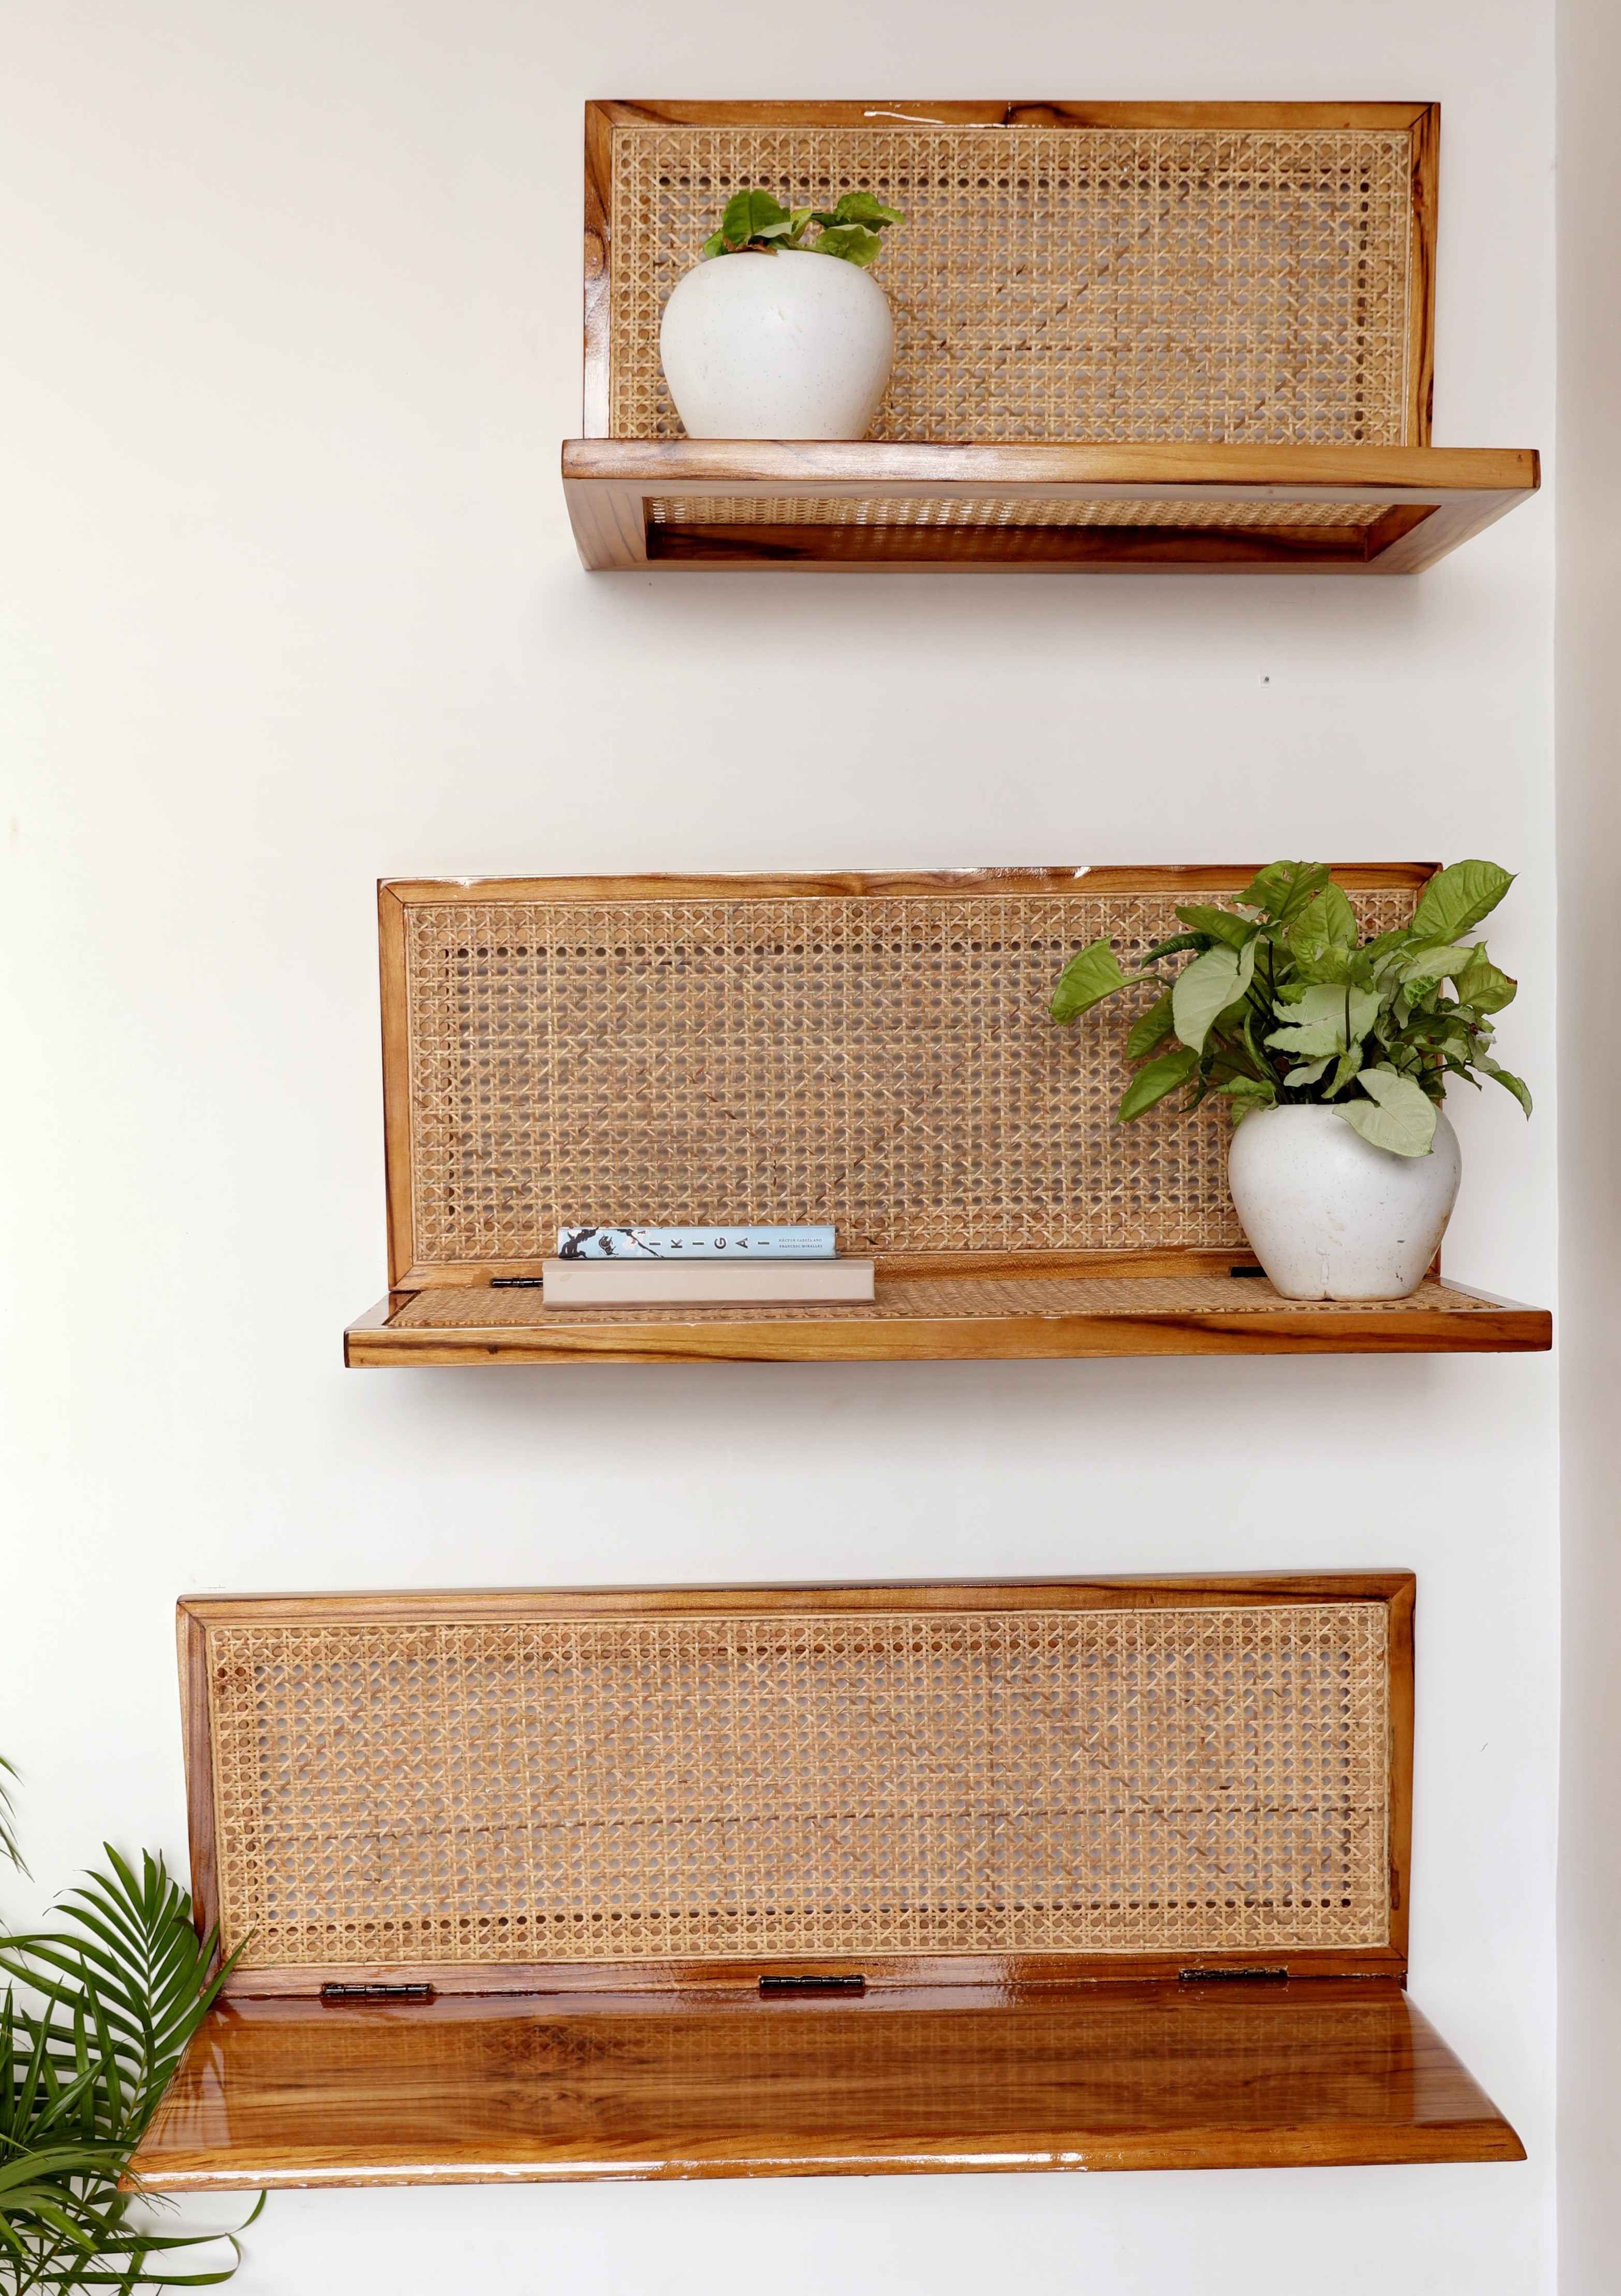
{"x": 788, "y": 346}
{"x": 1331, "y": 1218}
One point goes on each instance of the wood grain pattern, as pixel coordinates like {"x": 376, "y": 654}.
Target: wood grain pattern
{"x": 1109, "y": 2077}
{"x": 717, "y": 1335}
{"x": 1430, "y": 500}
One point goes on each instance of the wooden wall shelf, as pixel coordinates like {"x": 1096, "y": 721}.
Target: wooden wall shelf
{"x": 996, "y": 1849}
{"x": 1071, "y": 392}
{"x": 869, "y": 1050}
{"x": 1039, "y": 509}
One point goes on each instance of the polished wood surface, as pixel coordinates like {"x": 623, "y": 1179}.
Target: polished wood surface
{"x": 1229, "y": 2074}
{"x": 1447, "y": 1320}
{"x": 1434, "y": 498}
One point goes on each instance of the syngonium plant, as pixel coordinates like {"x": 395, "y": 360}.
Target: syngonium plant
{"x": 1282, "y": 1004}
{"x": 754, "y": 221}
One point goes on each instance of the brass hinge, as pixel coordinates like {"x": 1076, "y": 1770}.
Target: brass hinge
{"x": 1233, "y": 1976}
{"x": 377, "y": 1993}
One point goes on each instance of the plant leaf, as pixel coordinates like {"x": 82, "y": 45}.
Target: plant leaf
{"x": 1483, "y": 986}
{"x": 1506, "y": 1080}
{"x": 1090, "y": 975}
{"x": 1455, "y": 899}
{"x": 851, "y": 242}
{"x": 1248, "y": 1093}
{"x": 1284, "y": 888}
{"x": 1396, "y": 1115}
{"x": 1149, "y": 1030}
{"x": 860, "y": 207}
{"x": 1297, "y": 1078}
{"x": 1152, "y": 1083}
{"x": 1217, "y": 924}
{"x": 1203, "y": 989}
{"x": 1326, "y": 1018}
{"x": 1442, "y": 961}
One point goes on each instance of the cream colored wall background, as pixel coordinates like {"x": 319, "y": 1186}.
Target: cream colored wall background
{"x": 1589, "y": 716}
{"x": 290, "y": 343}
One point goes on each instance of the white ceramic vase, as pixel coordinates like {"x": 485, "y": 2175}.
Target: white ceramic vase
{"x": 788, "y": 346}
{"x": 1330, "y": 1217}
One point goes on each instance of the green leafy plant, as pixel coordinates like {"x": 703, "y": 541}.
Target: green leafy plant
{"x": 94, "y": 2018}
{"x": 851, "y": 231}
{"x": 1280, "y": 1002}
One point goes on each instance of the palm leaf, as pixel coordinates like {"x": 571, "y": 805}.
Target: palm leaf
{"x": 9, "y": 1850}
{"x": 112, "y": 1998}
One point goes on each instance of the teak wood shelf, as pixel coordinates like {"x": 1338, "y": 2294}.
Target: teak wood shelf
{"x": 1148, "y": 338}
{"x": 726, "y": 1882}
{"x": 869, "y": 1050}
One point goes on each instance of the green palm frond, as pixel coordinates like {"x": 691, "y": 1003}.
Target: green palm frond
{"x": 96, "y": 2017}
{"x": 9, "y": 1850}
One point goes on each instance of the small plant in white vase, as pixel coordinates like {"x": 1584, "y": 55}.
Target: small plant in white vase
{"x": 781, "y": 332}
{"x": 1335, "y": 1055}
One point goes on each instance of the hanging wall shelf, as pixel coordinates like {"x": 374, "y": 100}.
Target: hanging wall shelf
{"x": 869, "y": 1050}
{"x": 741, "y": 1882}
{"x": 1186, "y": 337}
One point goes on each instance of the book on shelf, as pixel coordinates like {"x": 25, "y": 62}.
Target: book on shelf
{"x": 687, "y": 1243}
{"x": 657, "y": 1283}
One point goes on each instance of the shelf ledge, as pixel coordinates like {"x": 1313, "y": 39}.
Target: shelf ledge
{"x": 471, "y": 2089}
{"x": 647, "y": 505}
{"x": 949, "y": 1318}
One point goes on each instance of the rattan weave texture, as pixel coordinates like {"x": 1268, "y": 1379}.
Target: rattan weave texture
{"x": 881, "y": 1783}
{"x": 882, "y": 1062}
{"x": 1108, "y": 285}
{"x": 910, "y": 1299}
{"x": 1011, "y": 510}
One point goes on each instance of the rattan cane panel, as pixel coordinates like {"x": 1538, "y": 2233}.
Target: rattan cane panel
{"x": 1009, "y": 511}
{"x": 883, "y": 1062}
{"x": 877, "y": 1784}
{"x": 910, "y": 1298}
{"x": 1108, "y": 285}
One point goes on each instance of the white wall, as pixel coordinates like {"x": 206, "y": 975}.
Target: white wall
{"x": 1589, "y": 715}
{"x": 291, "y": 310}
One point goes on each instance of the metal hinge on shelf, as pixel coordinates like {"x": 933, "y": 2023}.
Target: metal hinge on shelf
{"x": 1269, "y": 1976}
{"x": 813, "y": 1984}
{"x": 377, "y": 1993}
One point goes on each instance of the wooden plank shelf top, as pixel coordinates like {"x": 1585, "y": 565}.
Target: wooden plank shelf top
{"x": 649, "y": 505}
{"x": 471, "y": 2089}
{"x": 1230, "y": 1309}
{"x": 1070, "y": 392}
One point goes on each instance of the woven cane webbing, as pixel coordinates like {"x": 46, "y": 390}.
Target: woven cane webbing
{"x": 877, "y": 1782}
{"x": 907, "y": 1299}
{"x": 1011, "y": 510}
{"x": 1110, "y": 284}
{"x": 884, "y": 1062}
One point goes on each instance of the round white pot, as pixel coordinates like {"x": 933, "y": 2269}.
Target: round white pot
{"x": 1331, "y": 1218}
{"x": 789, "y": 346}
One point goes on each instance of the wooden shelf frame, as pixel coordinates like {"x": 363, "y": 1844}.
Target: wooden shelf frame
{"x": 465, "y": 1070}
{"x": 1211, "y": 500}
{"x": 1421, "y": 502}
{"x": 1153, "y": 2040}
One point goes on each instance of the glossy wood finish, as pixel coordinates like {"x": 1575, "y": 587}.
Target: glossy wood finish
{"x": 1110, "y": 2076}
{"x": 1434, "y": 499}
{"x": 1394, "y": 1591}
{"x": 1449, "y": 1321}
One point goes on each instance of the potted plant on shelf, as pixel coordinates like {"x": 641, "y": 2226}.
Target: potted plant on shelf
{"x": 781, "y": 332}
{"x": 1334, "y": 1053}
